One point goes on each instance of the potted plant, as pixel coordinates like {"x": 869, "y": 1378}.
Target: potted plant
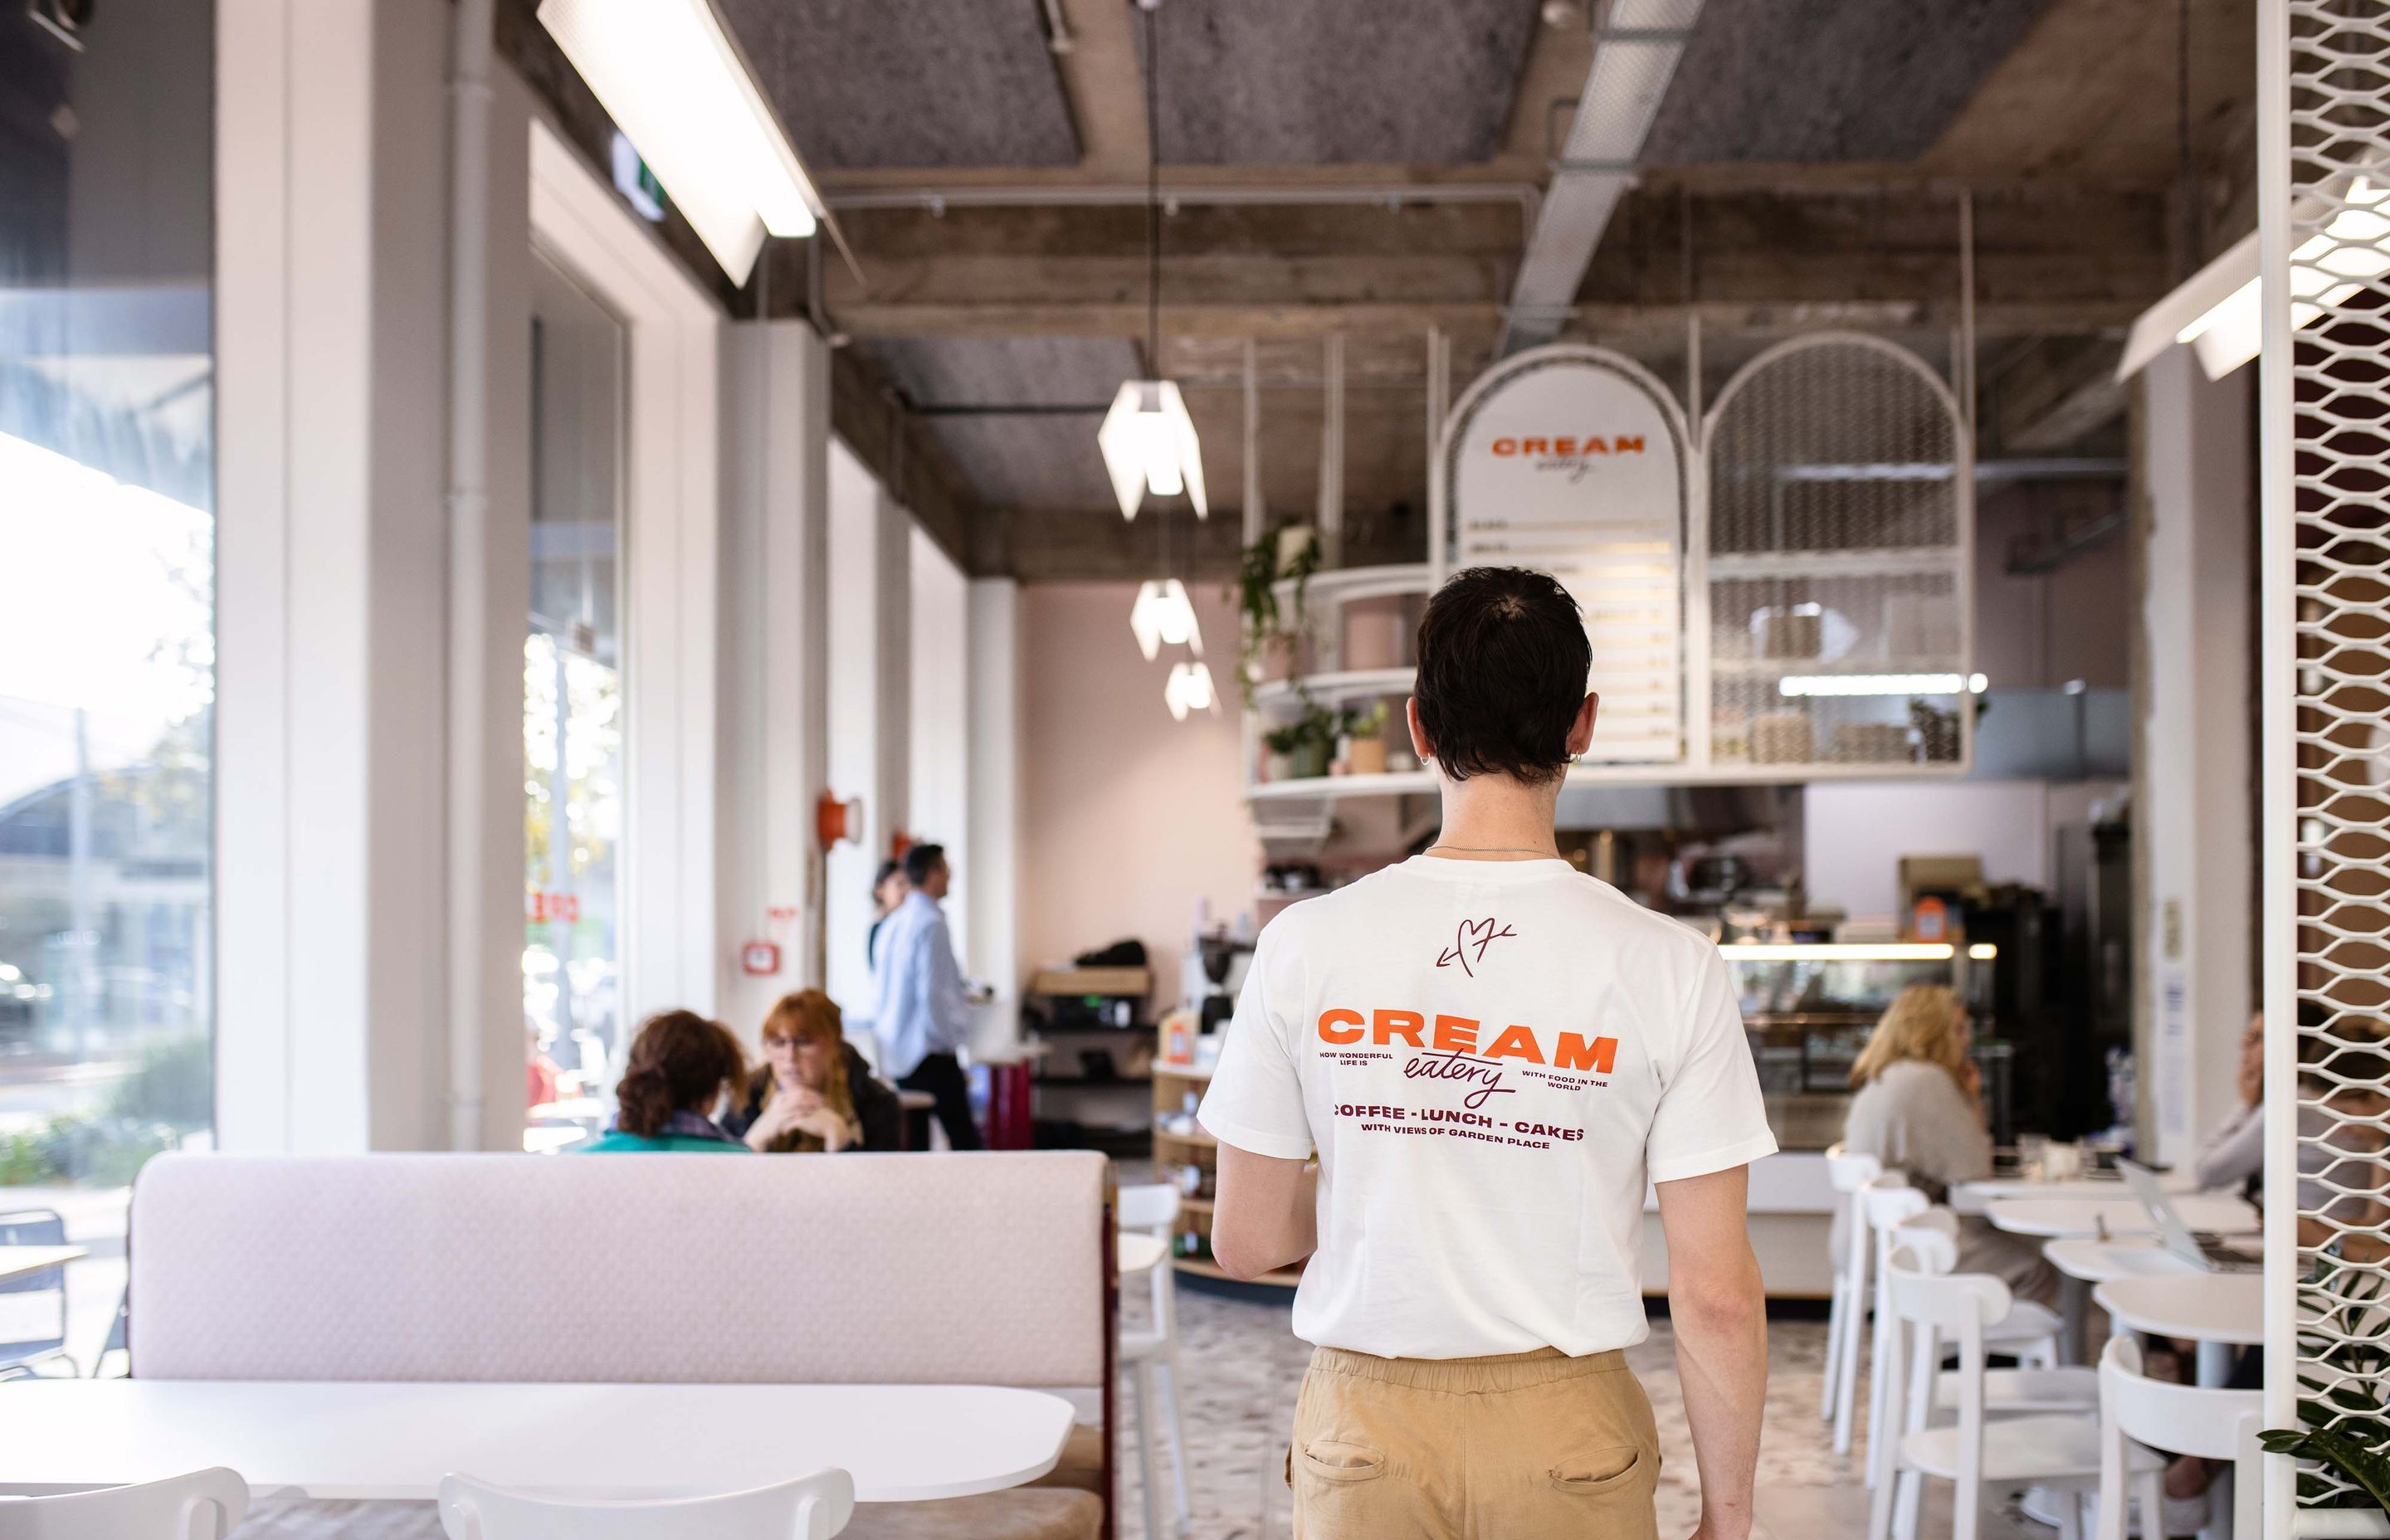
{"x": 1309, "y": 741}
{"x": 1287, "y": 553}
{"x": 2346, "y": 1420}
{"x": 1365, "y": 745}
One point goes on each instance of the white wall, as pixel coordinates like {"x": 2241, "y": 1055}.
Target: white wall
{"x": 2196, "y": 985}
{"x": 1129, "y": 818}
{"x": 938, "y": 741}
{"x": 1854, "y": 833}
{"x": 870, "y": 559}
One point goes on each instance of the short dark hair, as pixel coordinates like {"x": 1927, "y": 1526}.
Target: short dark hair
{"x": 920, "y": 861}
{"x": 888, "y": 869}
{"x": 1502, "y": 665}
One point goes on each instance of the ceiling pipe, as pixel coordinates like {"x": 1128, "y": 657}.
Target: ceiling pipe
{"x": 1391, "y": 195}
{"x": 1636, "y": 50}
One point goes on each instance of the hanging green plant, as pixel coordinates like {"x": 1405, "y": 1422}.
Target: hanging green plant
{"x": 1262, "y": 622}
{"x": 2346, "y": 1312}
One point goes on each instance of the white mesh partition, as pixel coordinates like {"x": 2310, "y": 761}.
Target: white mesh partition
{"x": 1837, "y": 568}
{"x": 2324, "y": 163}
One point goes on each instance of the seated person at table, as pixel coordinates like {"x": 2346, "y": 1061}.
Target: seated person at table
{"x": 1920, "y": 1109}
{"x": 2234, "y": 1155}
{"x": 814, "y": 1092}
{"x": 680, "y": 1068}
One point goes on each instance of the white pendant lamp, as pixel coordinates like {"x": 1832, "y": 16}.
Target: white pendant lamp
{"x": 1148, "y": 445}
{"x": 1163, "y": 616}
{"x": 1191, "y": 691}
{"x": 1148, "y": 440}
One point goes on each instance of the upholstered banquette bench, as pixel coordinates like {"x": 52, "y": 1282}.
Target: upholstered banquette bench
{"x": 986, "y": 1268}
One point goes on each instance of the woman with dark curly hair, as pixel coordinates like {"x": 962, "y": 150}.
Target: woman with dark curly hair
{"x": 680, "y": 1065}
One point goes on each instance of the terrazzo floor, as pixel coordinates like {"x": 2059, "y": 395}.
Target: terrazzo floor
{"x": 1242, "y": 1365}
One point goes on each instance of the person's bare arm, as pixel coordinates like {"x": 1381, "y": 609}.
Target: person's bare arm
{"x": 1265, "y": 1215}
{"x": 1719, "y": 1313}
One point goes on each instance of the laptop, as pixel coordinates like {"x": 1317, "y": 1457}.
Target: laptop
{"x": 2202, "y": 1249}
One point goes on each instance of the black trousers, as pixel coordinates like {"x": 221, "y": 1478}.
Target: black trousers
{"x": 942, "y": 1076}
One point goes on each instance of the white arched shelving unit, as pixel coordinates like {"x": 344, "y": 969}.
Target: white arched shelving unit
{"x": 1806, "y": 552}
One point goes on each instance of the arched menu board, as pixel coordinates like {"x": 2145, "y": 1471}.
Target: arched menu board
{"x": 1571, "y": 459}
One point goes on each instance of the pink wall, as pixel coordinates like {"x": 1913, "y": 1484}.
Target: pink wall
{"x": 1128, "y": 817}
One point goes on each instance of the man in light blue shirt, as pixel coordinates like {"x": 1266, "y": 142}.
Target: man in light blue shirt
{"x": 919, "y": 1015}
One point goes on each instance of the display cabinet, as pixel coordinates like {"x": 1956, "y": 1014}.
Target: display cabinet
{"x": 1809, "y": 1006}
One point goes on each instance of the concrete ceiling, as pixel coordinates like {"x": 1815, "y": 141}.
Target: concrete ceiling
{"x": 1269, "y": 83}
{"x": 1815, "y": 81}
{"x": 910, "y": 83}
{"x": 1382, "y": 161}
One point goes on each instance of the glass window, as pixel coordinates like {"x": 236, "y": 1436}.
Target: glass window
{"x": 573, "y": 714}
{"x": 107, "y": 592}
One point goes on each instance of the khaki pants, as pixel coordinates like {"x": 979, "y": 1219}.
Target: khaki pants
{"x": 1527, "y": 1446}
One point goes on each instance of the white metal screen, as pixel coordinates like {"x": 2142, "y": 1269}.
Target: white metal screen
{"x": 2324, "y": 125}
{"x": 1838, "y": 560}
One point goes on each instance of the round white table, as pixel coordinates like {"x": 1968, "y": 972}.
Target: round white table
{"x": 2099, "y": 1218}
{"x": 368, "y": 1439}
{"x": 2101, "y": 1260}
{"x": 2218, "y": 1311}
{"x": 19, "y": 1262}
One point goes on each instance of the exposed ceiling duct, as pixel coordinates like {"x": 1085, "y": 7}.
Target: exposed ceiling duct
{"x": 1635, "y": 54}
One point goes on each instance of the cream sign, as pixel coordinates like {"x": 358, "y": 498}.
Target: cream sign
{"x": 1571, "y": 461}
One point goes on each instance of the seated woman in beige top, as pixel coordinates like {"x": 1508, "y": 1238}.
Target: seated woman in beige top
{"x": 1920, "y": 1109}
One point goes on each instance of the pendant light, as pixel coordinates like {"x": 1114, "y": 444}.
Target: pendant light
{"x": 1148, "y": 440}
{"x": 1191, "y": 691}
{"x": 1163, "y": 616}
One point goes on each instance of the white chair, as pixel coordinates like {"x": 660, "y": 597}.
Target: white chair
{"x": 811, "y": 1507}
{"x": 2029, "y": 1332}
{"x": 2137, "y": 1414}
{"x": 2059, "y": 1450}
{"x": 1839, "y": 1395}
{"x": 1151, "y": 1356}
{"x": 205, "y": 1505}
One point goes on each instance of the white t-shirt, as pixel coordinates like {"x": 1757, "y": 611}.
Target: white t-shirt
{"x": 1491, "y": 1059}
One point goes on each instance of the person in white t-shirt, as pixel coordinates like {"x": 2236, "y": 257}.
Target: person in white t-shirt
{"x": 1492, "y": 1053}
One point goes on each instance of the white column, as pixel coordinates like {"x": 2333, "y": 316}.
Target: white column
{"x": 775, "y": 632}
{"x": 991, "y": 860}
{"x": 2193, "y": 754}
{"x": 870, "y": 564}
{"x": 330, "y": 754}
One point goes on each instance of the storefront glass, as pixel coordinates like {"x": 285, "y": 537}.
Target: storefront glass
{"x": 573, "y": 713}
{"x": 107, "y": 587}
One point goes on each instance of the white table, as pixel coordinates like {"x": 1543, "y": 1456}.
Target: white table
{"x": 16, "y": 1261}
{"x": 2218, "y": 1311}
{"x": 1140, "y": 1253}
{"x": 2099, "y": 1218}
{"x": 900, "y": 1443}
{"x": 2090, "y": 1261}
{"x": 1971, "y": 1197}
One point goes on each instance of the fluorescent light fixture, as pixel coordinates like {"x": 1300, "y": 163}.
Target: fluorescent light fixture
{"x": 1827, "y": 951}
{"x": 1983, "y": 951}
{"x": 1190, "y": 690}
{"x": 1874, "y": 683}
{"x": 1163, "y": 616}
{"x": 674, "y": 83}
{"x": 1148, "y": 445}
{"x": 2219, "y": 310}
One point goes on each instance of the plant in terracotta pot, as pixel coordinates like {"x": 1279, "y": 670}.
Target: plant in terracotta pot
{"x": 1267, "y": 632}
{"x": 1364, "y": 746}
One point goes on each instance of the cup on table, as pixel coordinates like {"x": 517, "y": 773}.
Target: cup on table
{"x": 2061, "y": 1163}
{"x": 2033, "y": 1150}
